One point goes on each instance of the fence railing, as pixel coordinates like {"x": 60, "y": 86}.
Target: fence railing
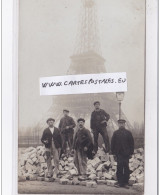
{"x": 34, "y": 141}
{"x": 28, "y": 141}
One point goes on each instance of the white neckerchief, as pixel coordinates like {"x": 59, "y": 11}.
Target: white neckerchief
{"x": 51, "y": 129}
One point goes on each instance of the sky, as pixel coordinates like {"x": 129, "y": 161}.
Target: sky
{"x": 47, "y": 36}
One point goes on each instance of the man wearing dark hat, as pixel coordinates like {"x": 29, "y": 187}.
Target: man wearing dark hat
{"x": 122, "y": 146}
{"x": 83, "y": 147}
{"x": 98, "y": 124}
{"x": 66, "y": 127}
{"x": 51, "y": 138}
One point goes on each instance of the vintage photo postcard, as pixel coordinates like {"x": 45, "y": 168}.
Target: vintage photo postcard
{"x": 81, "y": 97}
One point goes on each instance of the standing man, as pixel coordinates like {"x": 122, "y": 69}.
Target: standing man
{"x": 51, "y": 138}
{"x": 83, "y": 147}
{"x": 66, "y": 126}
{"x": 122, "y": 145}
{"x": 98, "y": 124}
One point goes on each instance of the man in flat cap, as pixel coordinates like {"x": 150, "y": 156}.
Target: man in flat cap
{"x": 122, "y": 146}
{"x": 83, "y": 147}
{"x": 51, "y": 138}
{"x": 98, "y": 124}
{"x": 66, "y": 127}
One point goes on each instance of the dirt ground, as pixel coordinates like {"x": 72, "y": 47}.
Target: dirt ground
{"x": 41, "y": 187}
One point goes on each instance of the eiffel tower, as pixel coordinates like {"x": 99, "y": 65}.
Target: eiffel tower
{"x": 86, "y": 59}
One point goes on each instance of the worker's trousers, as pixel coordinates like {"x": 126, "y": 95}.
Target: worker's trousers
{"x": 52, "y": 152}
{"x": 104, "y": 133}
{"x": 80, "y": 161}
{"x": 122, "y": 169}
{"x": 67, "y": 137}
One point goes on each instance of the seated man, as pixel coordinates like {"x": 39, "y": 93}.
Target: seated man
{"x": 51, "y": 138}
{"x": 83, "y": 147}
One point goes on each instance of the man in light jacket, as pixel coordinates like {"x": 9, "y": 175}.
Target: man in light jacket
{"x": 51, "y": 138}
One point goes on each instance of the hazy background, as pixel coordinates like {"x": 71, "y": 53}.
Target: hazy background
{"x": 47, "y": 35}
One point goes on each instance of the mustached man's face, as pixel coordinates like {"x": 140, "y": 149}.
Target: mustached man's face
{"x": 65, "y": 113}
{"x": 50, "y": 123}
{"x": 81, "y": 124}
{"x": 97, "y": 106}
{"x": 121, "y": 125}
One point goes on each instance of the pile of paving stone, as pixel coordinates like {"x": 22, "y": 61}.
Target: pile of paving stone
{"x": 101, "y": 170}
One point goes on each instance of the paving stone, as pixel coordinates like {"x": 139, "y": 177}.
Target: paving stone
{"x": 99, "y": 174}
{"x": 107, "y": 176}
{"x": 99, "y": 181}
{"x": 107, "y": 164}
{"x": 41, "y": 159}
{"x": 42, "y": 174}
{"x": 57, "y": 179}
{"x": 33, "y": 178}
{"x": 90, "y": 167}
{"x": 64, "y": 181}
{"x": 115, "y": 176}
{"x": 141, "y": 150}
{"x": 21, "y": 178}
{"x": 70, "y": 182}
{"x": 72, "y": 172}
{"x": 29, "y": 149}
{"x": 132, "y": 180}
{"x": 70, "y": 159}
{"x": 67, "y": 168}
{"x": 141, "y": 168}
{"x": 111, "y": 182}
{"x": 62, "y": 163}
{"x": 91, "y": 184}
{"x": 114, "y": 168}
{"x": 28, "y": 166}
{"x": 43, "y": 165}
{"x": 140, "y": 178}
{"x": 99, "y": 168}
{"x": 34, "y": 155}
{"x": 135, "y": 164}
{"x": 40, "y": 178}
{"x": 76, "y": 181}
{"x": 83, "y": 183}
{"x": 138, "y": 186}
{"x": 95, "y": 162}
{"x": 71, "y": 165}
{"x": 30, "y": 161}
{"x": 105, "y": 158}
{"x": 65, "y": 158}
{"x": 34, "y": 159}
{"x": 92, "y": 176}
{"x": 63, "y": 172}
{"x": 111, "y": 157}
{"x": 49, "y": 179}
{"x": 23, "y": 161}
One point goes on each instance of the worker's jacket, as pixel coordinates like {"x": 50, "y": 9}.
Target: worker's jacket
{"x": 66, "y": 121}
{"x": 48, "y": 136}
{"x": 97, "y": 118}
{"x": 83, "y": 139}
{"x": 122, "y": 142}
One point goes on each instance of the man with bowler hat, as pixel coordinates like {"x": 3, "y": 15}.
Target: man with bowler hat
{"x": 51, "y": 138}
{"x": 122, "y": 146}
{"x": 83, "y": 147}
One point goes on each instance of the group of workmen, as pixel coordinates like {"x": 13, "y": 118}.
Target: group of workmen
{"x": 85, "y": 146}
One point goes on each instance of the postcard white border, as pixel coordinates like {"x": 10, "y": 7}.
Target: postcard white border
{"x": 10, "y": 97}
